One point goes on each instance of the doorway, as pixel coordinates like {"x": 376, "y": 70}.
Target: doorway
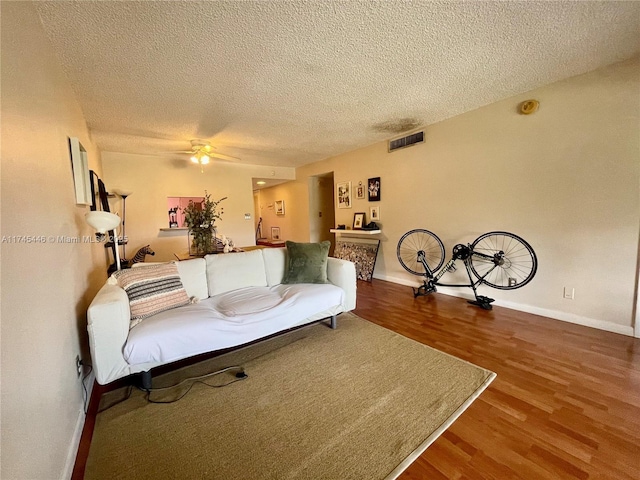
{"x": 322, "y": 216}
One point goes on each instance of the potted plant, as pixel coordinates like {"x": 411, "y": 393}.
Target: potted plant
{"x": 200, "y": 219}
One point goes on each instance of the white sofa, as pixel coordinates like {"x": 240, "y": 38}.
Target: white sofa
{"x": 241, "y": 299}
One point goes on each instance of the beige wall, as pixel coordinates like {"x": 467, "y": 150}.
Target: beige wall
{"x": 291, "y": 225}
{"x": 565, "y": 178}
{"x": 46, "y": 287}
{"x": 152, "y": 179}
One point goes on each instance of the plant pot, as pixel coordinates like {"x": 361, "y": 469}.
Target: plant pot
{"x": 202, "y": 242}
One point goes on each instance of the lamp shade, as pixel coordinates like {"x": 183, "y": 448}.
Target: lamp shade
{"x": 102, "y": 222}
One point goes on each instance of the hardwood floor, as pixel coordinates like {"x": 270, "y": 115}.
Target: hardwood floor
{"x": 565, "y": 403}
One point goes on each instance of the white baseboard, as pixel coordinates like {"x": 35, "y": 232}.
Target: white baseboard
{"x": 555, "y": 314}
{"x": 77, "y": 433}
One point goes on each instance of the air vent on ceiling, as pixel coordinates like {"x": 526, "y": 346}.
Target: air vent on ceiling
{"x": 406, "y": 141}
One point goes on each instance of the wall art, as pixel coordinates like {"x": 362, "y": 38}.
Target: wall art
{"x": 374, "y": 189}
{"x": 343, "y": 192}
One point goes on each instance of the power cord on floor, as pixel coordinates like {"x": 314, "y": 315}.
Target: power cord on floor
{"x": 86, "y": 392}
{"x": 84, "y": 386}
{"x": 241, "y": 375}
{"x": 126, "y": 397}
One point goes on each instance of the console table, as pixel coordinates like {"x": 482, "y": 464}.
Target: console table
{"x": 265, "y": 242}
{"x": 358, "y": 247}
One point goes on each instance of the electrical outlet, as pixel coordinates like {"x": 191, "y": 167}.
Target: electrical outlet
{"x": 569, "y": 293}
{"x": 512, "y": 282}
{"x": 78, "y": 365}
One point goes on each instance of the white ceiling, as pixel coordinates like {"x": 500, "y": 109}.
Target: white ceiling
{"x": 286, "y": 83}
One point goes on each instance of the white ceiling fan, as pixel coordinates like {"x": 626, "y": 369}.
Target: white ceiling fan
{"x": 202, "y": 152}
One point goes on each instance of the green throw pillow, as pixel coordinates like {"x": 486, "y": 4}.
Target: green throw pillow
{"x": 306, "y": 262}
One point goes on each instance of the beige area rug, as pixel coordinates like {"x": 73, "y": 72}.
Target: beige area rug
{"x": 359, "y": 402}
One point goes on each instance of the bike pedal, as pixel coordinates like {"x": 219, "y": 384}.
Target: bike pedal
{"x": 484, "y": 299}
{"x": 483, "y": 305}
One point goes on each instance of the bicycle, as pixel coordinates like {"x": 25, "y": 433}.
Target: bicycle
{"x": 500, "y": 260}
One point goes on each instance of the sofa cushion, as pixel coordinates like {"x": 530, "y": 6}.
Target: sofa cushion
{"x": 306, "y": 262}
{"x": 230, "y": 271}
{"x": 152, "y": 289}
{"x": 247, "y": 301}
{"x": 202, "y": 327}
{"x": 274, "y": 262}
{"x": 193, "y": 274}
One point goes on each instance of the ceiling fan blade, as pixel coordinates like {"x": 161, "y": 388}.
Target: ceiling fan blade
{"x": 222, "y": 156}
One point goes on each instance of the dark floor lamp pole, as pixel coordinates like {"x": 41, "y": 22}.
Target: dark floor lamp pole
{"x": 124, "y": 196}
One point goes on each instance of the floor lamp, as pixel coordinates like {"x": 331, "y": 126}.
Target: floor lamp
{"x": 103, "y": 222}
{"x": 124, "y": 196}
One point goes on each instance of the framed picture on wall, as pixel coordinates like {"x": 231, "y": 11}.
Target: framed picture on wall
{"x": 360, "y": 191}
{"x": 275, "y": 233}
{"x": 374, "y": 213}
{"x": 343, "y": 192}
{"x": 358, "y": 220}
{"x": 279, "y": 207}
{"x": 80, "y": 168}
{"x": 373, "y": 187}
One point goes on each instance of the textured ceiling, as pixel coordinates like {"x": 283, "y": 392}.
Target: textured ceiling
{"x": 285, "y": 83}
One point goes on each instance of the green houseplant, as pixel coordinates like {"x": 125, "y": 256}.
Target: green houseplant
{"x": 200, "y": 219}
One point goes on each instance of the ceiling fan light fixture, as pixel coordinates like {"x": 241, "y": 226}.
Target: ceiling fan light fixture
{"x": 202, "y": 153}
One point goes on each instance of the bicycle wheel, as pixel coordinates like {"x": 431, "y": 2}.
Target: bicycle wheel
{"x": 419, "y": 241}
{"x": 512, "y": 269}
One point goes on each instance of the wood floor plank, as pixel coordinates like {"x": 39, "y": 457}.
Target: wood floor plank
{"x": 565, "y": 404}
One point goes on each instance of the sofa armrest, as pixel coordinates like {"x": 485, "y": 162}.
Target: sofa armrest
{"x": 342, "y": 273}
{"x": 108, "y": 320}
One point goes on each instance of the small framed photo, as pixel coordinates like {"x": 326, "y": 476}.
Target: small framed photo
{"x": 360, "y": 191}
{"x": 373, "y": 187}
{"x": 343, "y": 192}
{"x": 358, "y": 220}
{"x": 279, "y": 207}
{"x": 275, "y": 233}
{"x": 374, "y": 213}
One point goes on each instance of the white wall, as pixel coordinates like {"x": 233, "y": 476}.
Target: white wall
{"x": 152, "y": 179}
{"x": 565, "y": 178}
{"x": 46, "y": 287}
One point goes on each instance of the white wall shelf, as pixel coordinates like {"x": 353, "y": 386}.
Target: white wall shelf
{"x": 355, "y": 232}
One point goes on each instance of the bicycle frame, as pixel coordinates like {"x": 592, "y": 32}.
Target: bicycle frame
{"x": 464, "y": 253}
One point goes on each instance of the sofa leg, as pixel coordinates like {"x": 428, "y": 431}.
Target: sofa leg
{"x": 334, "y": 322}
{"x": 145, "y": 380}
